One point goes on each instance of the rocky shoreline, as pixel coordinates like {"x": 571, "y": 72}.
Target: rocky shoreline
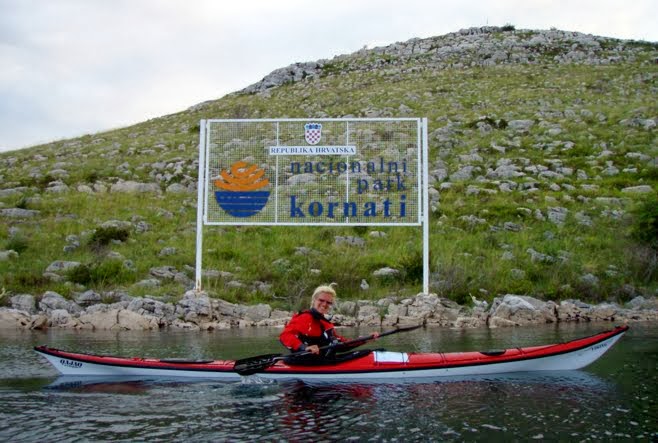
{"x": 197, "y": 311}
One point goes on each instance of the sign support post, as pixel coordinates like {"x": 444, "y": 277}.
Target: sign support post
{"x": 200, "y": 204}
{"x": 426, "y": 213}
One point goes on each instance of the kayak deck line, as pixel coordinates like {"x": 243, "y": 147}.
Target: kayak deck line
{"x": 569, "y": 355}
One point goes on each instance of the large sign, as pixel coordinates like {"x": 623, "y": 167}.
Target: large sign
{"x": 316, "y": 171}
{"x": 313, "y": 172}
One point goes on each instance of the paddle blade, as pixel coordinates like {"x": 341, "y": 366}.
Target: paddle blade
{"x": 252, "y": 365}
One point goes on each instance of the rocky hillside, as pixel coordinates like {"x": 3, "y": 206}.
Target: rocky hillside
{"x": 544, "y": 169}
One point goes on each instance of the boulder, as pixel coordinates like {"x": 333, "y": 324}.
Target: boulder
{"x": 605, "y": 312}
{"x": 446, "y": 313}
{"x": 104, "y": 318}
{"x": 196, "y": 306}
{"x": 518, "y": 310}
{"x": 24, "y": 302}
{"x": 61, "y": 318}
{"x": 14, "y": 319}
{"x": 52, "y": 301}
{"x": 369, "y": 315}
{"x": 223, "y": 308}
{"x": 88, "y": 298}
{"x": 8, "y": 255}
{"x": 133, "y": 321}
{"x": 164, "y": 312}
{"x": 18, "y": 213}
{"x": 61, "y": 267}
{"x": 180, "y": 324}
{"x": 258, "y": 312}
{"x": 641, "y": 303}
{"x": 386, "y": 273}
{"x": 573, "y": 310}
{"x": 132, "y": 187}
{"x": 39, "y": 322}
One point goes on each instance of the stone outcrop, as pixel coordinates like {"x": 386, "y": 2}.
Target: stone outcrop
{"x": 518, "y": 310}
{"x": 197, "y": 311}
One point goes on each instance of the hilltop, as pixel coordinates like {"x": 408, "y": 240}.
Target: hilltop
{"x": 544, "y": 172}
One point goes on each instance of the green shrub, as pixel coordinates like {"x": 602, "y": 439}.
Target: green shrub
{"x": 411, "y": 265}
{"x": 453, "y": 282}
{"x": 645, "y": 222}
{"x": 643, "y": 263}
{"x": 22, "y": 203}
{"x": 360, "y": 230}
{"x": 24, "y": 281}
{"x": 102, "y": 273}
{"x": 111, "y": 272}
{"x": 91, "y": 176}
{"x": 17, "y": 243}
{"x": 80, "y": 274}
{"x": 104, "y": 235}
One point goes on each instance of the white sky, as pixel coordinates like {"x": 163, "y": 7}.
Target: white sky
{"x": 74, "y": 67}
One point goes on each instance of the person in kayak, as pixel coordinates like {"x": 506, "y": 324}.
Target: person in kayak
{"x": 310, "y": 330}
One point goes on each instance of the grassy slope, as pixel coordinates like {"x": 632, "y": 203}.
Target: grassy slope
{"x": 465, "y": 259}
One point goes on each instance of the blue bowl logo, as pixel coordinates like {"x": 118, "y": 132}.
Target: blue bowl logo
{"x": 240, "y": 191}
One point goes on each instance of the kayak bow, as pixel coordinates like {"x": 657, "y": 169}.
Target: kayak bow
{"x": 375, "y": 365}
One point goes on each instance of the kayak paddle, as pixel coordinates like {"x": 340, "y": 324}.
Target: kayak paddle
{"x": 251, "y": 365}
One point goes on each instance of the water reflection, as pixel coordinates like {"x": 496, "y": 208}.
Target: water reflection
{"x": 449, "y": 408}
{"x": 571, "y": 379}
{"x": 114, "y": 384}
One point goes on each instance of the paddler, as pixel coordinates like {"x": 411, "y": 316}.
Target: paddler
{"x": 310, "y": 330}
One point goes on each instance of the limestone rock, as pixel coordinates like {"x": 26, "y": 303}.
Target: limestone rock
{"x": 14, "y": 319}
{"x": 52, "y": 301}
{"x": 24, "y": 302}
{"x": 520, "y": 310}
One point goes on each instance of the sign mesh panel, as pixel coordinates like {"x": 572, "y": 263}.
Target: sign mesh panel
{"x": 317, "y": 171}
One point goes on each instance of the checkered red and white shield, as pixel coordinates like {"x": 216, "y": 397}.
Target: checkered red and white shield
{"x": 313, "y": 133}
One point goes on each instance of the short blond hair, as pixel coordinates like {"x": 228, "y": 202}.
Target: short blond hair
{"x": 323, "y": 289}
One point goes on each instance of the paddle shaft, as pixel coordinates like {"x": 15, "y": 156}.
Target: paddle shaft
{"x": 373, "y": 337}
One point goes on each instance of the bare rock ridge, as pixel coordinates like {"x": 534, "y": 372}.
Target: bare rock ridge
{"x": 482, "y": 46}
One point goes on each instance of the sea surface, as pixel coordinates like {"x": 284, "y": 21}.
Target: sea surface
{"x": 614, "y": 399}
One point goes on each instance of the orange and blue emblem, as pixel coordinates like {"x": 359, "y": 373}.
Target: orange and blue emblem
{"x": 241, "y": 191}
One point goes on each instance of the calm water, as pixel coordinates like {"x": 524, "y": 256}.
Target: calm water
{"x": 613, "y": 399}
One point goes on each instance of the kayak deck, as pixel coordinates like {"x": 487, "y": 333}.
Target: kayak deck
{"x": 574, "y": 354}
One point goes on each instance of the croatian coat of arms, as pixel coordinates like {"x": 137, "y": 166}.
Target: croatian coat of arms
{"x": 313, "y": 133}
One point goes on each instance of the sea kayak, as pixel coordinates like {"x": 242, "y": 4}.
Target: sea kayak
{"x": 374, "y": 365}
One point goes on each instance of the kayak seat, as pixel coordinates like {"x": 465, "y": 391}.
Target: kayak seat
{"x": 493, "y": 352}
{"x": 313, "y": 360}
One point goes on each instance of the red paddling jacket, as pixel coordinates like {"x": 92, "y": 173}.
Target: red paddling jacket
{"x": 309, "y": 328}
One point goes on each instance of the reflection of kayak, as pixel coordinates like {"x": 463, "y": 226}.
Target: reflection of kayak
{"x": 375, "y": 365}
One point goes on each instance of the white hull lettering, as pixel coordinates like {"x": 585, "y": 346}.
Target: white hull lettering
{"x": 70, "y": 363}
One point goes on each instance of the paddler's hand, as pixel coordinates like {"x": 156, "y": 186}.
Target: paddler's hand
{"x": 375, "y": 335}
{"x": 313, "y": 349}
